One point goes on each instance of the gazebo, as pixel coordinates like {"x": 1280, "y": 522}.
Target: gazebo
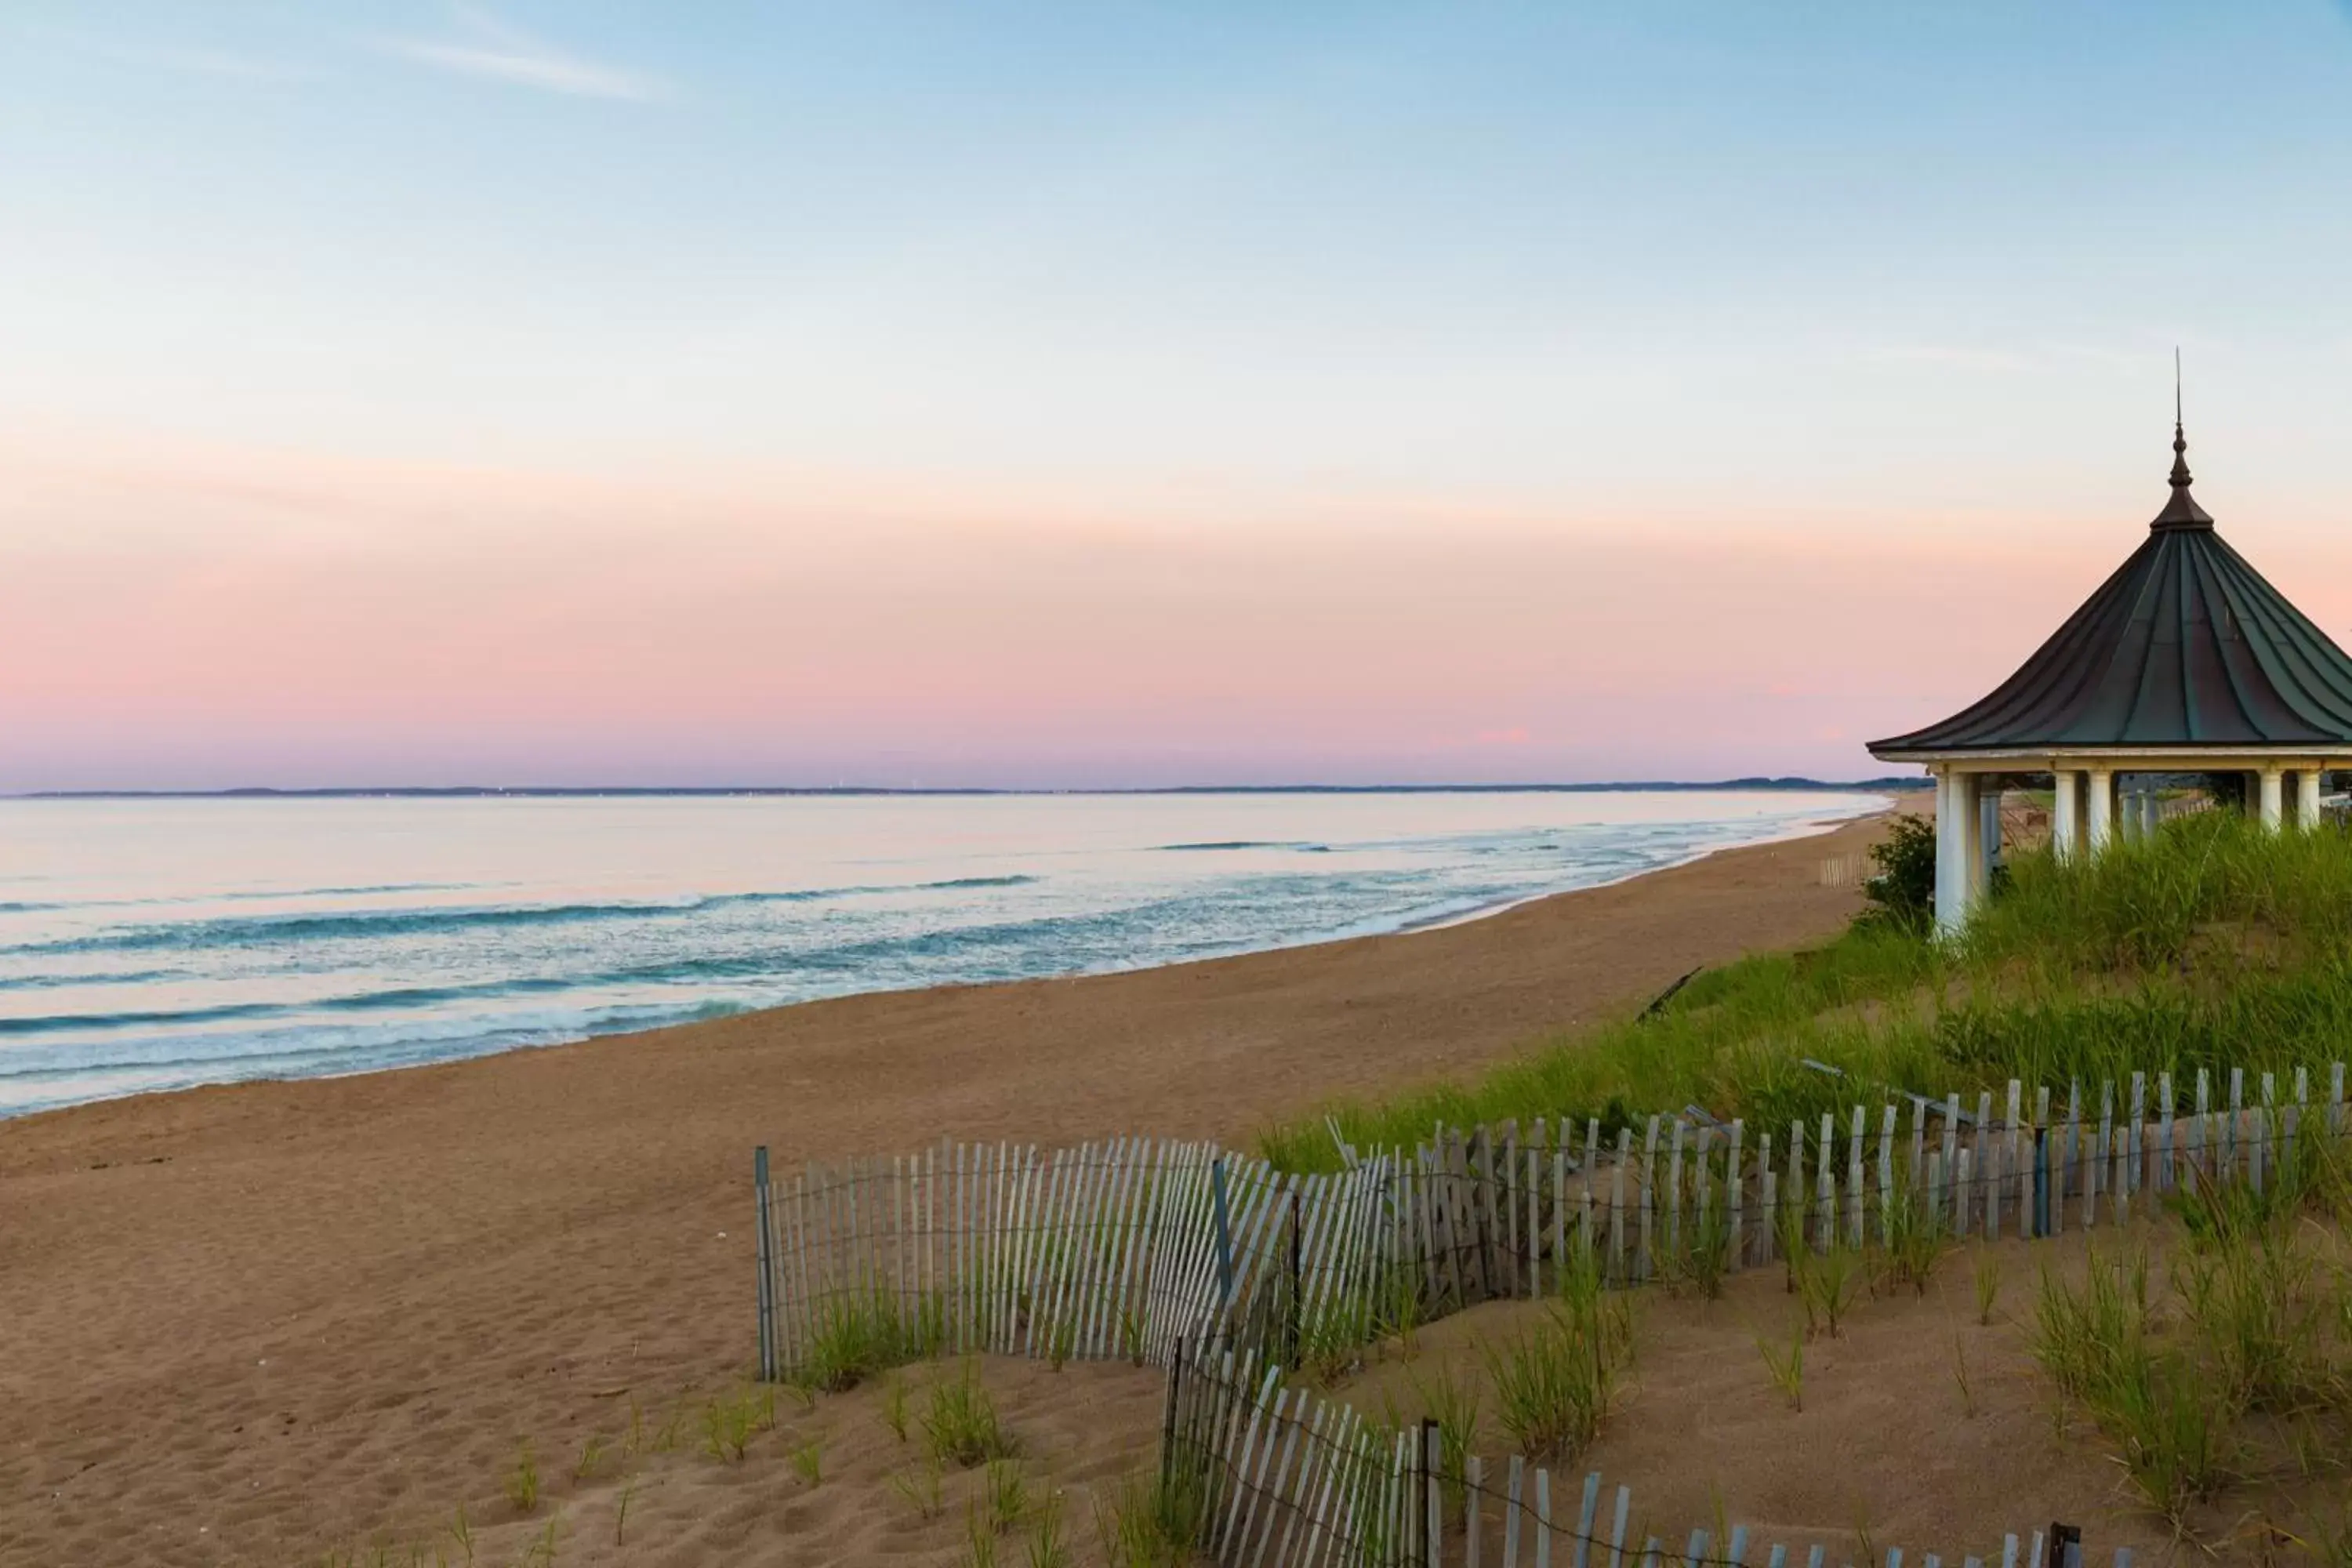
{"x": 2184, "y": 661}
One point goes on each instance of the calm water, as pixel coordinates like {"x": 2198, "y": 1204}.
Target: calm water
{"x": 155, "y": 944}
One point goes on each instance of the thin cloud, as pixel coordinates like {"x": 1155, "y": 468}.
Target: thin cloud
{"x": 492, "y": 49}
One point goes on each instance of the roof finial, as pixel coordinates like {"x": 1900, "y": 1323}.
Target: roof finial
{"x": 2179, "y": 440}
{"x": 2181, "y": 510}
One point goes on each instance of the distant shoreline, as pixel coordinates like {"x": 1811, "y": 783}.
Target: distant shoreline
{"x": 562, "y": 792}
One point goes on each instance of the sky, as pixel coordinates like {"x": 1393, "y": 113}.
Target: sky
{"x": 1119, "y": 394}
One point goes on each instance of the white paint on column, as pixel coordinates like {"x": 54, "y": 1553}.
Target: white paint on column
{"x": 2103, "y": 808}
{"x": 1951, "y": 849}
{"x": 2306, "y": 797}
{"x": 2065, "y": 833}
{"x": 2273, "y": 797}
{"x": 1969, "y": 786}
{"x": 2151, "y": 812}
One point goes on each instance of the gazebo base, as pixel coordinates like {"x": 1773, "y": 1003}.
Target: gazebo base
{"x": 2099, "y": 793}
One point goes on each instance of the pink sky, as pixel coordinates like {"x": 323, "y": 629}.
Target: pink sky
{"x": 174, "y": 615}
{"x": 518, "y": 393}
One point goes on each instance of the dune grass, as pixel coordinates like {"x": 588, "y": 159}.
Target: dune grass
{"x": 2169, "y": 953}
{"x": 1556, "y": 1383}
{"x": 1152, "y": 1520}
{"x": 2242, "y": 1369}
{"x": 863, "y": 1335}
{"x": 961, "y": 1427}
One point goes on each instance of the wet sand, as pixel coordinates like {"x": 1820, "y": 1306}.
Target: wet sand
{"x": 244, "y": 1324}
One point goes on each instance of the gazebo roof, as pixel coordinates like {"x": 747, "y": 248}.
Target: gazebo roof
{"x": 2185, "y": 647}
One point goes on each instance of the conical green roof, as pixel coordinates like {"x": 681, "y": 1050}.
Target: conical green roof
{"x": 2185, "y": 645}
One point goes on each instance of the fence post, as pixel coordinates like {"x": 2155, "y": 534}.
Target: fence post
{"x": 1168, "y": 1416}
{"x": 2065, "y": 1545}
{"x": 761, "y": 1200}
{"x": 2041, "y": 1183}
{"x": 1433, "y": 1495}
{"x": 1298, "y": 1311}
{"x": 1225, "y": 1234}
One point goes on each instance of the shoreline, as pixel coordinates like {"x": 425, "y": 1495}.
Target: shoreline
{"x": 273, "y": 1316}
{"x": 712, "y": 1011}
{"x": 1817, "y": 828}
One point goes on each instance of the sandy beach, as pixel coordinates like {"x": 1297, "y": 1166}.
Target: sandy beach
{"x": 245, "y": 1324}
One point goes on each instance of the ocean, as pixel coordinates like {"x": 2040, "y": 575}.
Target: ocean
{"x": 156, "y": 943}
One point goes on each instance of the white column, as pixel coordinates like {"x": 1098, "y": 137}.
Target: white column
{"x": 2273, "y": 797}
{"x": 1948, "y": 868}
{"x": 2103, "y": 808}
{"x": 2151, "y": 812}
{"x": 1958, "y": 856}
{"x": 1971, "y": 790}
{"x": 2306, "y": 797}
{"x": 2066, "y": 830}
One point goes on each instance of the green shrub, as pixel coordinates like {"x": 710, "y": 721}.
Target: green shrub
{"x": 1901, "y": 893}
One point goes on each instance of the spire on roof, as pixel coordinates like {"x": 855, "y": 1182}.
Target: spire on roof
{"x": 2181, "y": 510}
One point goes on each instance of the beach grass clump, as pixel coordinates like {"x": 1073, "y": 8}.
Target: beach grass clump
{"x": 1984, "y": 1275}
{"x": 961, "y": 1425}
{"x": 1334, "y": 1333}
{"x": 1004, "y": 1494}
{"x": 522, "y": 1483}
{"x": 2083, "y": 1337}
{"x": 1701, "y": 1255}
{"x": 1151, "y": 1522}
{"x": 2173, "y": 1422}
{"x": 729, "y": 1424}
{"x": 895, "y": 1414}
{"x": 1916, "y": 1236}
{"x": 1556, "y": 1382}
{"x": 1454, "y": 1404}
{"x": 1829, "y": 1282}
{"x": 2251, "y": 1298}
{"x": 922, "y": 1489}
{"x": 1786, "y": 1367}
{"x": 978, "y": 1537}
{"x": 1049, "y": 1547}
{"x": 862, "y": 1335}
{"x": 1062, "y": 1341}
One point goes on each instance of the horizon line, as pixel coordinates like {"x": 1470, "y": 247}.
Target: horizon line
{"x": 265, "y": 792}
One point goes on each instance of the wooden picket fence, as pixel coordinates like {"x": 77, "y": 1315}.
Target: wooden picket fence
{"x": 1282, "y": 1478}
{"x": 1120, "y": 1249}
{"x": 1108, "y": 1250}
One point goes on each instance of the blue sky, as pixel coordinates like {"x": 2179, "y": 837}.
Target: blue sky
{"x": 1805, "y": 272}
